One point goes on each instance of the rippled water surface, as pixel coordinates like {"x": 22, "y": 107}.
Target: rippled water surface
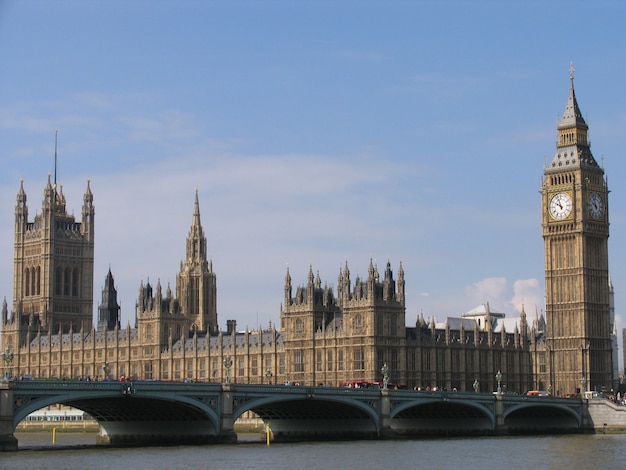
{"x": 77, "y": 450}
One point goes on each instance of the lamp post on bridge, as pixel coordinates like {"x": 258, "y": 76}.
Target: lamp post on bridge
{"x": 228, "y": 363}
{"x": 583, "y": 387}
{"x": 105, "y": 370}
{"x": 7, "y": 358}
{"x": 499, "y": 379}
{"x": 385, "y": 371}
{"x": 268, "y": 375}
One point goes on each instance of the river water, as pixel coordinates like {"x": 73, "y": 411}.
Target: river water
{"x": 76, "y": 451}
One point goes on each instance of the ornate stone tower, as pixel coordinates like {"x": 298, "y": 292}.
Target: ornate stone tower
{"x": 575, "y": 230}
{"x": 374, "y": 321}
{"x": 109, "y": 309}
{"x": 52, "y": 269}
{"x": 330, "y": 339}
{"x": 311, "y": 321}
{"x": 163, "y": 319}
{"x": 196, "y": 283}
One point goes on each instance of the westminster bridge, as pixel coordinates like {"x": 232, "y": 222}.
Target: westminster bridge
{"x": 166, "y": 413}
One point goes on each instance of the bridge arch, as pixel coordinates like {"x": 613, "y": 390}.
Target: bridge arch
{"x": 94, "y": 405}
{"x": 542, "y": 417}
{"x": 32, "y": 405}
{"x": 128, "y": 416}
{"x": 442, "y": 416}
{"x": 313, "y": 414}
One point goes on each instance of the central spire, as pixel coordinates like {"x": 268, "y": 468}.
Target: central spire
{"x": 196, "y": 212}
{"x": 572, "y": 117}
{"x": 573, "y": 147}
{"x": 196, "y": 241}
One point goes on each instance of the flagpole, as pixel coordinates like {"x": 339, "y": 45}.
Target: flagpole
{"x": 56, "y": 133}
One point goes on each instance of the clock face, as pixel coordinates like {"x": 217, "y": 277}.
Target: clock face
{"x": 596, "y": 206}
{"x": 560, "y": 206}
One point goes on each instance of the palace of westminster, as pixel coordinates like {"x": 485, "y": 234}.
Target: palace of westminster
{"x": 324, "y": 337}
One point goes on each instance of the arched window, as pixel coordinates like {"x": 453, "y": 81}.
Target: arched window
{"x": 33, "y": 281}
{"x": 58, "y": 281}
{"x": 38, "y": 280}
{"x": 27, "y": 282}
{"x": 67, "y": 277}
{"x": 358, "y": 322}
{"x": 75, "y": 279}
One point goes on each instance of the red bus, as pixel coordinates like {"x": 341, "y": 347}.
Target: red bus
{"x": 390, "y": 386}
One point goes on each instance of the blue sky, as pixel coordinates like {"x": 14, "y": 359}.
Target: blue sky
{"x": 316, "y": 133}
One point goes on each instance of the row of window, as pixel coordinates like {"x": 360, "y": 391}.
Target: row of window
{"x": 67, "y": 281}
{"x": 573, "y": 137}
{"x": 358, "y": 360}
{"x": 218, "y": 370}
{"x": 32, "y": 281}
{"x": 359, "y": 325}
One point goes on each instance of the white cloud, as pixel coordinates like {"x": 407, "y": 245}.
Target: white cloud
{"x": 492, "y": 290}
{"x": 527, "y": 294}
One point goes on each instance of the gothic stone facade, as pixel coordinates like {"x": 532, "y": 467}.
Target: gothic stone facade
{"x": 324, "y": 337}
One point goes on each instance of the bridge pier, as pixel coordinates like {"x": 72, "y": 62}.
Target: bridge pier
{"x": 8, "y": 442}
{"x": 386, "y": 431}
{"x": 227, "y": 424}
{"x": 501, "y": 427}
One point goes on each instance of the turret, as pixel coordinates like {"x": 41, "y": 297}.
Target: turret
{"x": 21, "y": 210}
{"x": 141, "y": 298}
{"x": 372, "y": 277}
{"x": 389, "y": 285}
{"x": 343, "y": 285}
{"x": 88, "y": 213}
{"x": 157, "y": 302}
{"x": 109, "y": 309}
{"x": 401, "y": 296}
{"x": 310, "y": 287}
{"x": 288, "y": 288}
{"x": 523, "y": 327}
{"x": 5, "y": 312}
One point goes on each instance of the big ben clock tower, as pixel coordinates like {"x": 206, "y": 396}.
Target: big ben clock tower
{"x": 575, "y": 230}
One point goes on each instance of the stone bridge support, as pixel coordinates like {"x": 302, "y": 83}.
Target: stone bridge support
{"x": 386, "y": 430}
{"x": 501, "y": 427}
{"x": 8, "y": 442}
{"x": 227, "y": 428}
{"x": 604, "y": 416}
